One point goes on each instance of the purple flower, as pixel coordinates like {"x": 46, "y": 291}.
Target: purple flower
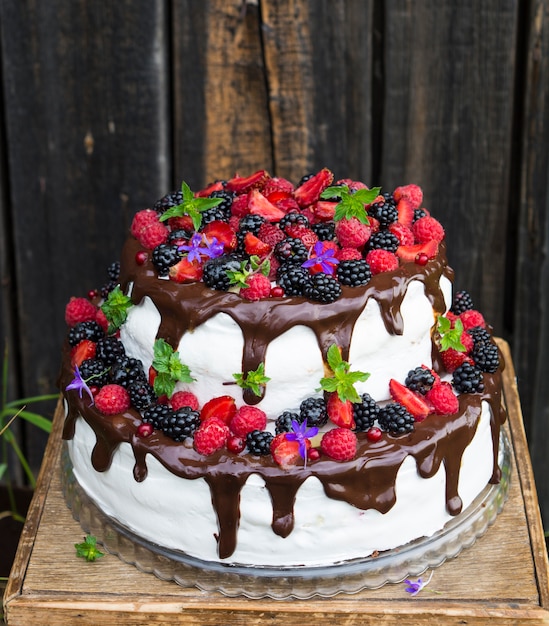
{"x": 196, "y": 250}
{"x": 300, "y": 434}
{"x": 79, "y": 383}
{"x": 414, "y": 588}
{"x": 325, "y": 258}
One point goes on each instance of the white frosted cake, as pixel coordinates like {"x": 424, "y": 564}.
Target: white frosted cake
{"x": 279, "y": 375}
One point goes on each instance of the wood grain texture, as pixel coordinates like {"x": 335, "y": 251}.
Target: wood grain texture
{"x": 447, "y": 126}
{"x": 502, "y": 579}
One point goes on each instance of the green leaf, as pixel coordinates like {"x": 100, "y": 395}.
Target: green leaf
{"x": 334, "y": 357}
{"x": 238, "y": 278}
{"x": 116, "y": 308}
{"x": 88, "y": 549}
{"x": 191, "y": 206}
{"x": 253, "y": 380}
{"x": 169, "y": 368}
{"x": 351, "y": 204}
{"x": 450, "y": 337}
{"x": 343, "y": 380}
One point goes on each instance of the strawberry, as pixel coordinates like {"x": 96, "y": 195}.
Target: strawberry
{"x": 222, "y": 232}
{"x": 254, "y": 245}
{"x": 340, "y": 411}
{"x": 381, "y": 261}
{"x": 183, "y": 222}
{"x": 185, "y": 271}
{"x": 82, "y": 351}
{"x": 239, "y": 207}
{"x": 339, "y": 444}
{"x": 405, "y": 212}
{"x": 241, "y": 185}
{"x": 411, "y": 254}
{"x": 278, "y": 185}
{"x": 204, "y": 193}
{"x": 270, "y": 234}
{"x": 412, "y": 192}
{"x": 426, "y": 229}
{"x": 102, "y": 320}
{"x": 277, "y": 196}
{"x": 222, "y": 407}
{"x": 259, "y": 287}
{"x": 152, "y": 375}
{"x": 309, "y": 192}
{"x": 285, "y": 453}
{"x": 415, "y": 403}
{"x": 443, "y": 399}
{"x": 246, "y": 419}
{"x": 259, "y": 205}
{"x": 324, "y": 210}
{"x": 287, "y": 205}
{"x": 210, "y": 436}
{"x": 112, "y": 399}
{"x": 79, "y": 310}
{"x": 184, "y": 398}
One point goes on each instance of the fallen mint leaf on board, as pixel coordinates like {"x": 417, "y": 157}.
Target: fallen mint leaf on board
{"x": 88, "y": 549}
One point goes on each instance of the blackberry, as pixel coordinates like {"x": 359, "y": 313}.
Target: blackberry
{"x": 215, "y": 271}
{"x": 462, "y": 302}
{"x": 179, "y": 236}
{"x": 291, "y": 250}
{"x": 284, "y": 421}
{"x": 127, "y": 371}
{"x": 354, "y": 272}
{"x": 420, "y": 380}
{"x": 467, "y": 378}
{"x": 180, "y": 424}
{"x": 304, "y": 179}
{"x": 384, "y": 212}
{"x": 110, "y": 350}
{"x": 218, "y": 212}
{"x": 164, "y": 256}
{"x": 486, "y": 356}
{"x": 480, "y": 335}
{"x": 419, "y": 213}
{"x": 94, "y": 372}
{"x": 384, "y": 240}
{"x": 155, "y": 415}
{"x": 365, "y": 412}
{"x": 395, "y": 419}
{"x": 226, "y": 196}
{"x": 166, "y": 202}
{"x": 325, "y": 231}
{"x": 293, "y": 279}
{"x": 250, "y": 224}
{"x": 259, "y": 442}
{"x": 142, "y": 394}
{"x": 113, "y": 271}
{"x": 293, "y": 218}
{"x": 322, "y": 288}
{"x": 313, "y": 411}
{"x": 107, "y": 288}
{"x": 85, "y": 330}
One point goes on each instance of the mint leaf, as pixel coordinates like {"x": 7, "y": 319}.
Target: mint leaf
{"x": 191, "y": 206}
{"x": 343, "y": 380}
{"x": 116, "y": 308}
{"x": 254, "y": 380}
{"x": 450, "y": 337}
{"x": 169, "y": 369}
{"x": 88, "y": 549}
{"x": 351, "y": 204}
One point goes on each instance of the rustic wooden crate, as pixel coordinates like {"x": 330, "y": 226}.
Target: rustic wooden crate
{"x": 502, "y": 579}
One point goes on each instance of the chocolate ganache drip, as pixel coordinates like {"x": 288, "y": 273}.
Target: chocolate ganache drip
{"x": 366, "y": 482}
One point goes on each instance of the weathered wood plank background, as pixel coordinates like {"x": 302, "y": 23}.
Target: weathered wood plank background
{"x": 105, "y": 106}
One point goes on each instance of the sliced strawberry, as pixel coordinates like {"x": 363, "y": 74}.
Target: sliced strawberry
{"x": 185, "y": 271}
{"x": 223, "y": 233}
{"x": 240, "y": 184}
{"x": 410, "y": 254}
{"x": 354, "y": 185}
{"x": 405, "y": 212}
{"x": 309, "y": 192}
{"x": 222, "y": 407}
{"x": 216, "y": 186}
{"x": 285, "y": 453}
{"x": 279, "y": 185}
{"x": 152, "y": 375}
{"x": 181, "y": 223}
{"x": 415, "y": 403}
{"x": 324, "y": 211}
{"x": 287, "y": 205}
{"x": 259, "y": 205}
{"x": 82, "y": 351}
{"x": 239, "y": 207}
{"x": 277, "y": 196}
{"x": 340, "y": 412}
{"x": 254, "y": 245}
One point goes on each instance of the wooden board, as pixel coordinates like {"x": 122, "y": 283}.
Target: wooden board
{"x": 502, "y": 579}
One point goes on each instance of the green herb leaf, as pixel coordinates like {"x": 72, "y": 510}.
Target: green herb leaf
{"x": 116, "y": 308}
{"x": 238, "y": 278}
{"x": 169, "y": 369}
{"x": 343, "y": 381}
{"x": 88, "y": 549}
{"x": 351, "y": 204}
{"x": 450, "y": 337}
{"x": 253, "y": 380}
{"x": 191, "y": 206}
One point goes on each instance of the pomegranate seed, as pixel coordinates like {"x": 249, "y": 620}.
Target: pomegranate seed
{"x": 373, "y": 434}
{"x": 235, "y": 444}
{"x": 141, "y": 257}
{"x": 422, "y": 258}
{"x": 144, "y": 430}
{"x": 313, "y": 454}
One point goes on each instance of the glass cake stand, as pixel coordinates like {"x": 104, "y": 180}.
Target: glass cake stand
{"x": 280, "y": 583}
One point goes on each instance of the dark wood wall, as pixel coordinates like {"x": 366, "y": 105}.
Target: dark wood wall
{"x": 107, "y": 105}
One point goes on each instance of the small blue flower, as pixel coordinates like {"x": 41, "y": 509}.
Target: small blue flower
{"x": 79, "y": 383}
{"x": 301, "y": 433}
{"x": 325, "y": 258}
{"x": 196, "y": 250}
{"x": 414, "y": 588}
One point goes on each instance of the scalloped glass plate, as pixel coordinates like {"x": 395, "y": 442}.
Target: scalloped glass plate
{"x": 293, "y": 582}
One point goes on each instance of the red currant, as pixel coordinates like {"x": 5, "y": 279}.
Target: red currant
{"x": 235, "y": 444}
{"x": 422, "y": 258}
{"x": 141, "y": 257}
{"x": 277, "y": 292}
{"x": 144, "y": 430}
{"x": 94, "y": 389}
{"x": 92, "y": 293}
{"x": 313, "y": 454}
{"x": 373, "y": 434}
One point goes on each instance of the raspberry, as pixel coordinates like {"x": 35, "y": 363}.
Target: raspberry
{"x": 381, "y": 261}
{"x": 307, "y": 236}
{"x": 452, "y": 359}
{"x": 467, "y": 340}
{"x": 428, "y": 229}
{"x": 259, "y": 287}
{"x": 339, "y": 444}
{"x": 246, "y": 419}
{"x": 211, "y": 435}
{"x": 102, "y": 320}
{"x": 184, "y": 398}
{"x": 352, "y": 233}
{"x": 402, "y": 233}
{"x": 348, "y": 254}
{"x": 112, "y": 399}
{"x": 472, "y": 319}
{"x": 412, "y": 192}
{"x": 239, "y": 207}
{"x": 142, "y": 220}
{"x": 270, "y": 234}
{"x": 79, "y": 310}
{"x": 443, "y": 399}
{"x": 153, "y": 235}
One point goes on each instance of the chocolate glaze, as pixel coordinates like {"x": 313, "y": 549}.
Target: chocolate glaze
{"x": 366, "y": 482}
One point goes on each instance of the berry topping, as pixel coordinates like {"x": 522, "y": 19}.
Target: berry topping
{"x": 365, "y": 412}
{"x": 313, "y": 411}
{"x": 412, "y": 192}
{"x": 428, "y": 229}
{"x": 322, "y": 288}
{"x": 285, "y": 452}
{"x": 395, "y": 419}
{"x": 110, "y": 350}
{"x": 468, "y": 379}
{"x": 112, "y": 399}
{"x": 211, "y": 435}
{"x": 462, "y": 302}
{"x": 222, "y": 407}
{"x": 352, "y": 233}
{"x": 215, "y": 271}
{"x": 246, "y": 419}
{"x": 240, "y": 184}
{"x": 144, "y": 430}
{"x": 339, "y": 444}
{"x": 309, "y": 191}
{"x": 340, "y": 411}
{"x": 259, "y": 205}
{"x": 259, "y": 287}
{"x": 486, "y": 356}
{"x": 142, "y": 220}
{"x": 79, "y": 310}
{"x": 381, "y": 261}
{"x": 86, "y": 349}
{"x": 259, "y": 442}
{"x": 186, "y": 271}
{"x": 374, "y": 434}
{"x": 415, "y": 403}
{"x": 472, "y": 319}
{"x": 443, "y": 399}
{"x": 420, "y": 379}
{"x": 354, "y": 272}
{"x": 184, "y": 398}
{"x": 235, "y": 444}
{"x": 153, "y": 235}
{"x": 94, "y": 372}
{"x": 85, "y": 330}
{"x": 413, "y": 254}
{"x": 164, "y": 256}
{"x": 284, "y": 421}
{"x": 180, "y": 424}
